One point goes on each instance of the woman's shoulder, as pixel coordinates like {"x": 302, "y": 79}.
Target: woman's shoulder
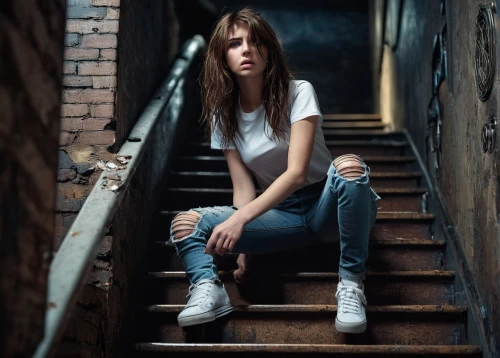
{"x": 299, "y": 84}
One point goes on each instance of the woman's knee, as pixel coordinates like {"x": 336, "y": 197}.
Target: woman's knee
{"x": 184, "y": 224}
{"x": 349, "y": 166}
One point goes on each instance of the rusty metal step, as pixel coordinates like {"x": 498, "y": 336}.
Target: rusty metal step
{"x": 267, "y": 287}
{"x": 218, "y": 163}
{"x": 340, "y": 117}
{"x": 393, "y": 199}
{"x": 196, "y": 179}
{"x": 300, "y": 350}
{"x": 337, "y": 147}
{"x": 312, "y": 324}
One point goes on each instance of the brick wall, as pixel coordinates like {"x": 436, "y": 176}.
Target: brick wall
{"x": 88, "y": 102}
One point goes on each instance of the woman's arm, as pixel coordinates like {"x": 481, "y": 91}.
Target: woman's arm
{"x": 225, "y": 235}
{"x": 241, "y": 176}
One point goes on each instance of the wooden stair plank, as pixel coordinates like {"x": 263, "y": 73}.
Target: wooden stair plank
{"x": 222, "y": 179}
{"x": 207, "y": 348}
{"x": 314, "y": 324}
{"x": 218, "y": 163}
{"x": 392, "y": 199}
{"x": 267, "y": 287}
{"x": 356, "y": 117}
{"x": 353, "y": 125}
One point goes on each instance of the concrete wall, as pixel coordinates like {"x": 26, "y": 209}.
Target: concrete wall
{"x": 468, "y": 180}
{"x": 31, "y": 52}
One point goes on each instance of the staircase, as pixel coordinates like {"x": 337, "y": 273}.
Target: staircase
{"x": 290, "y": 307}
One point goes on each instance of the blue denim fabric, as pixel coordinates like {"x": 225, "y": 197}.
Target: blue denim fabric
{"x": 326, "y": 211}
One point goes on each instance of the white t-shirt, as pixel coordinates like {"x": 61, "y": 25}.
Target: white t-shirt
{"x": 268, "y": 159}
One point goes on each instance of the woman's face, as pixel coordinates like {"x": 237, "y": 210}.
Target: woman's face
{"x": 242, "y": 55}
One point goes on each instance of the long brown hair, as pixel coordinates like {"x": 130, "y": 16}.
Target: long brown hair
{"x": 220, "y": 88}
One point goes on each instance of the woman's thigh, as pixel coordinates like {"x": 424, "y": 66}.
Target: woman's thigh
{"x": 273, "y": 231}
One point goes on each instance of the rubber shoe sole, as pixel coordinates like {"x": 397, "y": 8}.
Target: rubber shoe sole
{"x": 350, "y": 327}
{"x": 205, "y": 316}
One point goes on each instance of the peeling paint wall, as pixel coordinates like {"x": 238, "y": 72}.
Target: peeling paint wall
{"x": 469, "y": 178}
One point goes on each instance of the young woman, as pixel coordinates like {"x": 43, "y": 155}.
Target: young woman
{"x": 269, "y": 126}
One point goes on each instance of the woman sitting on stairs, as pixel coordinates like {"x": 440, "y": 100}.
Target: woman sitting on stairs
{"x": 269, "y": 126}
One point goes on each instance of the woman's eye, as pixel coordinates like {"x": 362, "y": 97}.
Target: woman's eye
{"x": 234, "y": 44}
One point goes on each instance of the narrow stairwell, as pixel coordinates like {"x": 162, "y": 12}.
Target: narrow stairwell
{"x": 290, "y": 306}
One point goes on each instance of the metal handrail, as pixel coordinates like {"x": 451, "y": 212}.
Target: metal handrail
{"x": 74, "y": 259}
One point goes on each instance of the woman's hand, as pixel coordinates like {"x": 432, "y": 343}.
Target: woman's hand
{"x": 241, "y": 275}
{"x": 225, "y": 235}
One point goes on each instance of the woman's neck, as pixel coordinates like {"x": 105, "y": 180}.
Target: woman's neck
{"x": 250, "y": 93}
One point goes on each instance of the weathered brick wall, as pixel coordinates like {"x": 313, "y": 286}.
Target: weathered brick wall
{"x": 88, "y": 102}
{"x": 31, "y": 56}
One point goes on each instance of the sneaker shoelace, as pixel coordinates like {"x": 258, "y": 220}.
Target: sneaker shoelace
{"x": 349, "y": 299}
{"x": 199, "y": 292}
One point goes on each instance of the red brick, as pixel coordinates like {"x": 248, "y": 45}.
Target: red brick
{"x": 87, "y": 96}
{"x": 74, "y": 110}
{"x": 92, "y": 26}
{"x": 66, "y": 138}
{"x": 108, "y": 55}
{"x": 99, "y": 41}
{"x": 102, "y": 110}
{"x": 102, "y": 68}
{"x": 87, "y": 124}
{"x": 77, "y": 81}
{"x": 69, "y": 68}
{"x": 104, "y": 81}
{"x": 71, "y": 124}
{"x": 97, "y": 137}
{"x": 79, "y": 54}
{"x": 115, "y": 3}
{"x": 113, "y": 14}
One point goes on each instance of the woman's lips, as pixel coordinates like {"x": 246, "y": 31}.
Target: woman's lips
{"x": 247, "y": 64}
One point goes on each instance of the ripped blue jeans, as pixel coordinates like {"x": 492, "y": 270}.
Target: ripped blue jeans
{"x": 325, "y": 211}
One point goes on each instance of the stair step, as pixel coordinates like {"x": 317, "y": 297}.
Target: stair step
{"x": 393, "y": 199}
{"x": 223, "y": 179}
{"x": 267, "y": 287}
{"x": 353, "y": 125}
{"x": 218, "y": 163}
{"x": 293, "y": 350}
{"x": 391, "y": 324}
{"x": 384, "y": 255}
{"x": 392, "y": 226}
{"x": 352, "y": 117}
{"x": 336, "y": 147}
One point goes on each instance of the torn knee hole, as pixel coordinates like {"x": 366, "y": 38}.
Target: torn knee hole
{"x": 184, "y": 224}
{"x": 349, "y": 166}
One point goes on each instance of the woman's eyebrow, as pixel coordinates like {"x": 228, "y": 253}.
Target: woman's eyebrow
{"x": 235, "y": 39}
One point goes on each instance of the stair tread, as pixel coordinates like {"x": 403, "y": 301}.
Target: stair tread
{"x": 389, "y": 175}
{"x": 308, "y": 348}
{"x": 335, "y": 143}
{"x": 296, "y": 308}
{"x": 353, "y": 125}
{"x": 378, "y": 190}
{"x": 352, "y": 117}
{"x": 325, "y": 275}
{"x": 391, "y": 158}
{"x": 386, "y": 215}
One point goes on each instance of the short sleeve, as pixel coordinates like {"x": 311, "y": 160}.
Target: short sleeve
{"x": 304, "y": 102}
{"x": 216, "y": 139}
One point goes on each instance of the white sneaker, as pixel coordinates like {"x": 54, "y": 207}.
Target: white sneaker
{"x": 351, "y": 311}
{"x": 209, "y": 300}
